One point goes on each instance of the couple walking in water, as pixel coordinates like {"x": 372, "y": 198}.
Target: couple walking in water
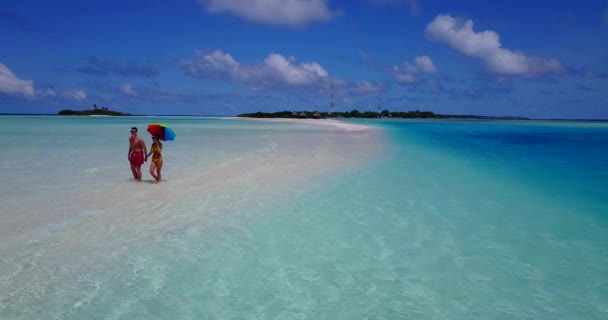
{"x": 138, "y": 154}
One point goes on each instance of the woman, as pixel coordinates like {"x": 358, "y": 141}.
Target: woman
{"x": 157, "y": 158}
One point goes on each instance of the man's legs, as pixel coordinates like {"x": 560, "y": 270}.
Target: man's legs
{"x": 138, "y": 170}
{"x": 137, "y": 161}
{"x": 134, "y": 171}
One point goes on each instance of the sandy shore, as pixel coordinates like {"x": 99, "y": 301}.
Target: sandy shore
{"x": 324, "y": 122}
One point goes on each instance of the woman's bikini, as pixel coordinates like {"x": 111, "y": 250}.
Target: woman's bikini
{"x": 156, "y": 156}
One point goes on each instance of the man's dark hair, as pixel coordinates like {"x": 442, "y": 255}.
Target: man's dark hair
{"x": 134, "y": 128}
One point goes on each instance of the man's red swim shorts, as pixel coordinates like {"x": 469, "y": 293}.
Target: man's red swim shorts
{"x": 137, "y": 158}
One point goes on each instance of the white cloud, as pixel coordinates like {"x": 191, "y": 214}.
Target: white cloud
{"x": 345, "y": 89}
{"x": 45, "y": 93}
{"x": 128, "y": 90}
{"x": 216, "y": 65}
{"x": 13, "y": 86}
{"x": 277, "y": 12}
{"x": 289, "y": 72}
{"x": 364, "y": 88}
{"x": 75, "y": 94}
{"x": 406, "y": 73}
{"x": 405, "y": 77}
{"x": 485, "y": 45}
{"x": 425, "y": 64}
{"x": 274, "y": 71}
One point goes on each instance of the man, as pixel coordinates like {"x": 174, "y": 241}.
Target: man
{"x": 137, "y": 153}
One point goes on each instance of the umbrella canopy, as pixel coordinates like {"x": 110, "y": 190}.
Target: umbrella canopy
{"x": 162, "y": 131}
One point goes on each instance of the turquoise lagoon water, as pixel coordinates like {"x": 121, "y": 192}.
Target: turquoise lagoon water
{"x": 268, "y": 220}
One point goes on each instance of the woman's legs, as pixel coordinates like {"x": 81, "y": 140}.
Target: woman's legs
{"x": 153, "y": 168}
{"x": 159, "y": 166}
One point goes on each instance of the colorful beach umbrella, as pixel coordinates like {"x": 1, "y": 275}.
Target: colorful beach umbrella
{"x": 162, "y": 131}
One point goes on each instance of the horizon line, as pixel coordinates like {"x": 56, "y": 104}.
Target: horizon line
{"x": 515, "y": 118}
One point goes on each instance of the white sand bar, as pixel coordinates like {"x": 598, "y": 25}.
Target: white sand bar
{"x": 324, "y": 122}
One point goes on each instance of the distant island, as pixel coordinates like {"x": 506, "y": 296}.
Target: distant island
{"x": 103, "y": 111}
{"x": 416, "y": 114}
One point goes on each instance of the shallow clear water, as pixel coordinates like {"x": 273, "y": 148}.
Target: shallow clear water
{"x": 260, "y": 220}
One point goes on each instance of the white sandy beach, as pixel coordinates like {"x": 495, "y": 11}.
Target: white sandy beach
{"x": 323, "y": 122}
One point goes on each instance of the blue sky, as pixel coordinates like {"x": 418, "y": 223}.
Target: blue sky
{"x": 540, "y": 59}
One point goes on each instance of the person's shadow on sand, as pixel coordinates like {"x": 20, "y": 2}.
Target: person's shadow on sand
{"x": 151, "y": 181}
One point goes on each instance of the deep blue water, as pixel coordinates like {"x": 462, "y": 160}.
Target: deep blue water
{"x": 569, "y": 159}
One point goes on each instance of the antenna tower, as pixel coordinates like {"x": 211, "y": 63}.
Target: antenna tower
{"x": 332, "y": 102}
{"x": 380, "y": 93}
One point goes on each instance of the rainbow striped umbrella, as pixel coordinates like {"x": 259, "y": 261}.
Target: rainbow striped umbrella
{"x": 162, "y": 131}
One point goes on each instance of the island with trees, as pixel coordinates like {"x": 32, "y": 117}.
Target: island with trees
{"x": 416, "y": 114}
{"x": 103, "y": 111}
